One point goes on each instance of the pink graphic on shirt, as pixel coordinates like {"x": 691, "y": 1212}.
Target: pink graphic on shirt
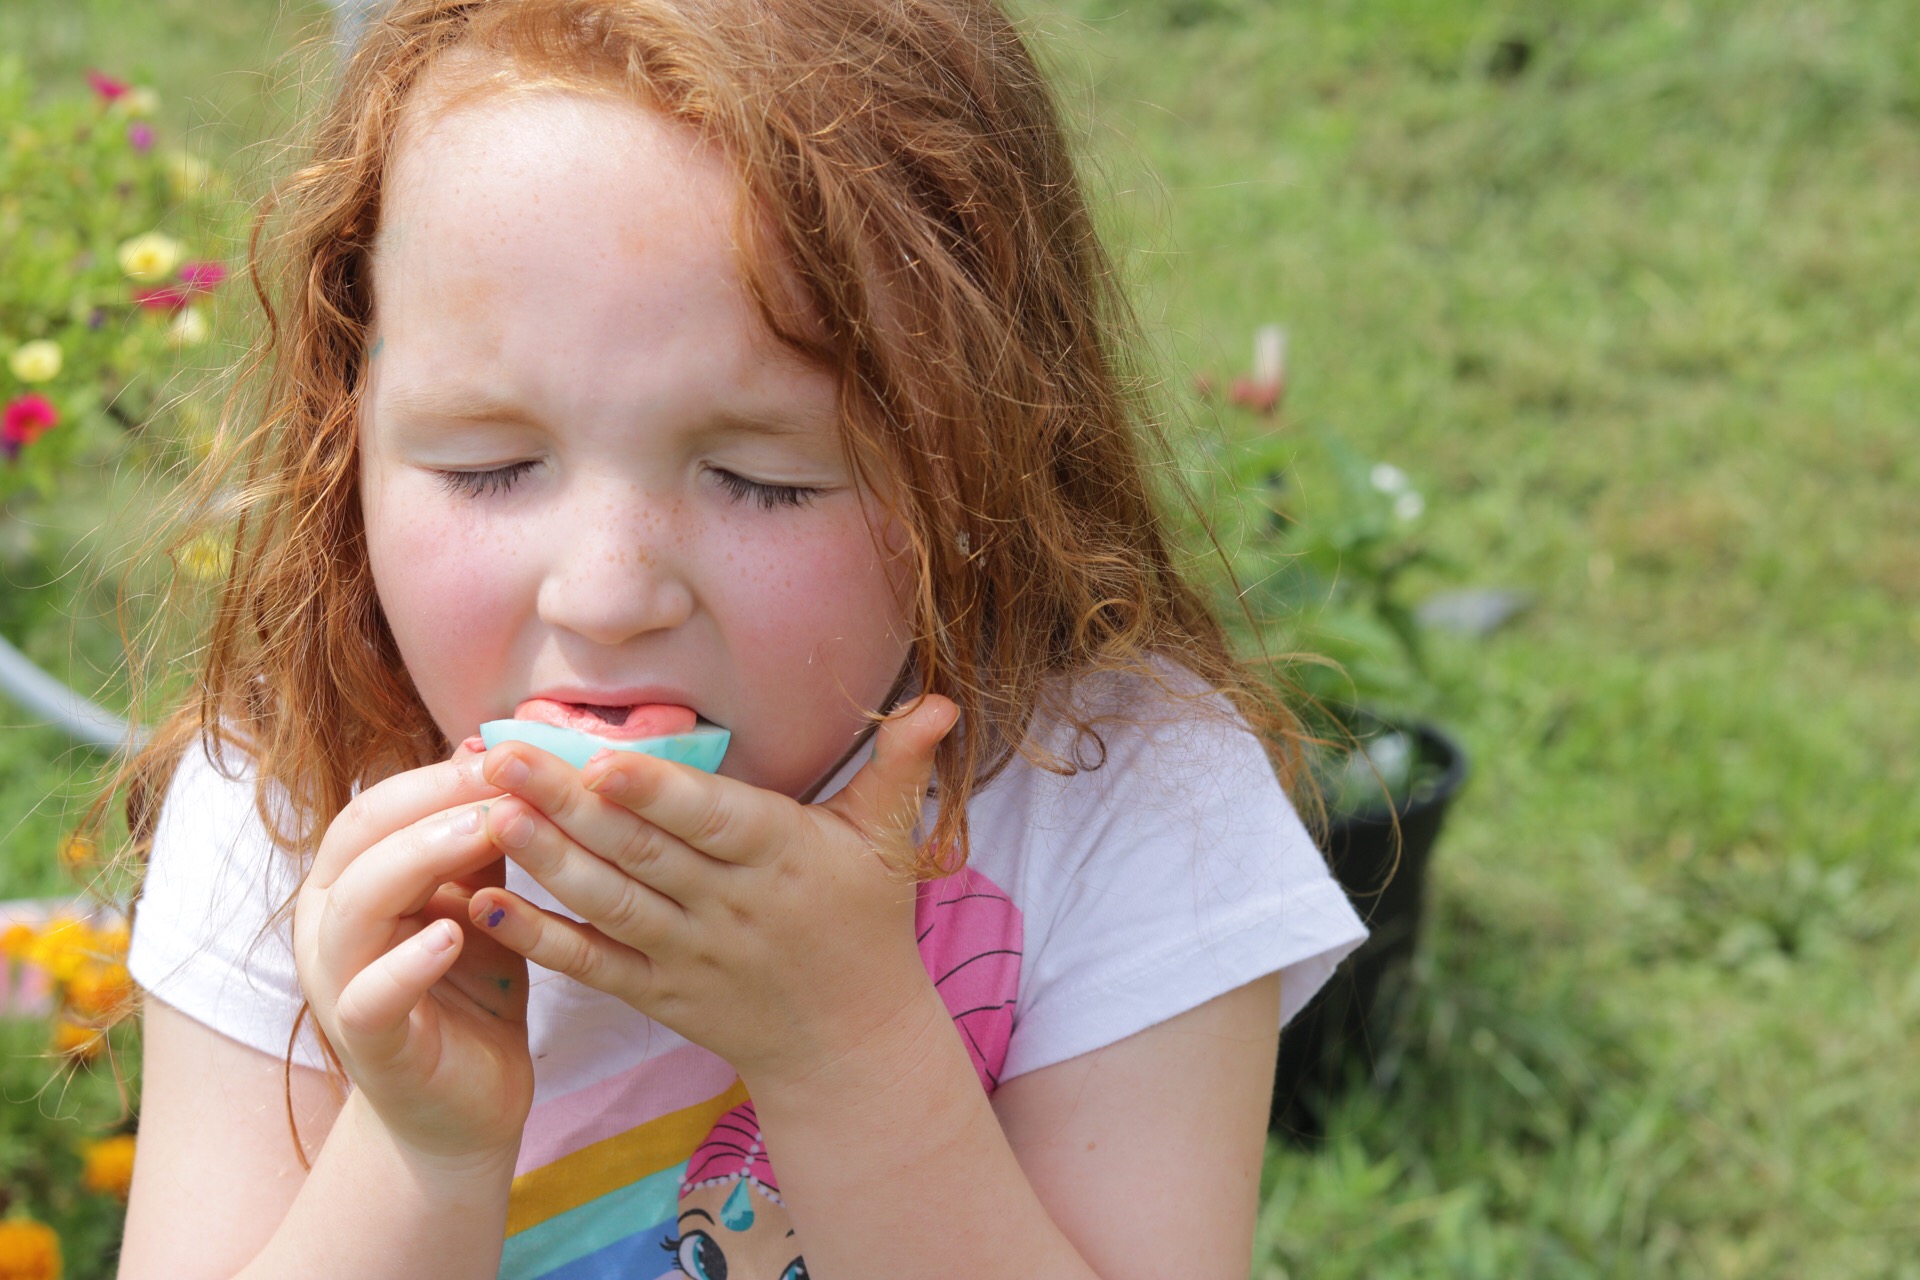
{"x": 732, "y": 1220}
{"x": 970, "y": 933}
{"x": 733, "y": 1149}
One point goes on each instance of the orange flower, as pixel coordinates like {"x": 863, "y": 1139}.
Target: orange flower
{"x": 109, "y": 1167}
{"x": 17, "y": 941}
{"x": 100, "y": 991}
{"x": 29, "y": 1250}
{"x": 77, "y": 1041}
{"x": 112, "y": 941}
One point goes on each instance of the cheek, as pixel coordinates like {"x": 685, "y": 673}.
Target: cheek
{"x": 437, "y": 579}
{"x": 826, "y": 605}
{"x": 831, "y": 588}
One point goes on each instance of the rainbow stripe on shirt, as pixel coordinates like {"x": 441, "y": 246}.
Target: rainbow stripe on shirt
{"x": 658, "y": 1170}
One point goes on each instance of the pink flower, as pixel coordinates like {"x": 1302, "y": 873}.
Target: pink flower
{"x": 169, "y": 297}
{"x": 201, "y": 277}
{"x": 109, "y": 89}
{"x": 140, "y": 135}
{"x": 26, "y": 420}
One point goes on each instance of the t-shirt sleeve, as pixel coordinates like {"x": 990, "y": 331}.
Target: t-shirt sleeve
{"x": 1174, "y": 873}
{"x": 204, "y": 937}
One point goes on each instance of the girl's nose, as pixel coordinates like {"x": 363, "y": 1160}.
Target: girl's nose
{"x": 615, "y": 577}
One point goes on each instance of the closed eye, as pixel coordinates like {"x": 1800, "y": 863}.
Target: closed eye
{"x": 481, "y": 484}
{"x": 768, "y": 496}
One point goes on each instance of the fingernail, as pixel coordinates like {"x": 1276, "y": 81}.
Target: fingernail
{"x": 467, "y": 821}
{"x": 609, "y": 783}
{"x": 512, "y": 773}
{"x": 491, "y": 916}
{"x": 475, "y": 744}
{"x": 440, "y": 935}
{"x": 517, "y": 832}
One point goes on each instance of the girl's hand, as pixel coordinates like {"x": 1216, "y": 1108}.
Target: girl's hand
{"x": 427, "y": 1014}
{"x": 767, "y": 931}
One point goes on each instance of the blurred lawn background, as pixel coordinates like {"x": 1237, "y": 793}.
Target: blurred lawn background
{"x": 1630, "y": 290}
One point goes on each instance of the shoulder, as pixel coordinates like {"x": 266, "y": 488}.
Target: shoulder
{"x": 212, "y": 927}
{"x": 1168, "y": 869}
{"x": 213, "y": 802}
{"x": 1167, "y": 764}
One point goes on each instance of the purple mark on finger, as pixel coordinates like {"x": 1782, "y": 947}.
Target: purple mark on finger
{"x": 495, "y": 916}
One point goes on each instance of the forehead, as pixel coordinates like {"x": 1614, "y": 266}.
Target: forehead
{"x": 483, "y": 163}
{"x": 537, "y": 239}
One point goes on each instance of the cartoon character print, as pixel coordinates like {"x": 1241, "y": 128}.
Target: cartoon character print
{"x": 733, "y": 1224}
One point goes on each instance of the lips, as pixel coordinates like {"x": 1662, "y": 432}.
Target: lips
{"x": 626, "y": 723}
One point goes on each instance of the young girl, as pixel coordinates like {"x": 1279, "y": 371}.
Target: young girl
{"x": 752, "y": 360}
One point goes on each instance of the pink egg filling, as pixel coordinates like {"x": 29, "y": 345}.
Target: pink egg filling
{"x": 620, "y": 724}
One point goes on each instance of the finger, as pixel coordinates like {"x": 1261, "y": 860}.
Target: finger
{"x": 375, "y": 1009}
{"x": 397, "y": 877}
{"x": 552, "y": 941}
{"x": 723, "y": 818}
{"x": 553, "y": 787}
{"x": 395, "y": 803}
{"x": 597, "y": 805}
{"x": 620, "y": 905}
{"x": 884, "y": 800}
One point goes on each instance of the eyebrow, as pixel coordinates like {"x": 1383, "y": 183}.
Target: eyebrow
{"x": 688, "y": 1213}
{"x": 465, "y": 406}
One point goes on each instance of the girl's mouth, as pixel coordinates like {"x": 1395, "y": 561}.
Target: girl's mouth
{"x": 619, "y": 723}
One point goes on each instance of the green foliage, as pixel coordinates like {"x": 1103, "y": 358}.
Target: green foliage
{"x": 1321, "y": 542}
{"x": 89, "y": 199}
{"x": 49, "y": 1110}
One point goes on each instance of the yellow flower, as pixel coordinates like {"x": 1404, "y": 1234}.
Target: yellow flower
{"x": 100, "y": 992}
{"x": 76, "y": 851}
{"x": 109, "y": 1165}
{"x": 151, "y": 256}
{"x": 61, "y": 947}
{"x": 186, "y": 173}
{"x": 189, "y": 328}
{"x": 78, "y": 1041}
{"x": 37, "y": 361}
{"x": 138, "y": 102}
{"x": 29, "y": 1250}
{"x": 206, "y": 558}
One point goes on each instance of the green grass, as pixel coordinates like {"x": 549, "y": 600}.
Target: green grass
{"x": 1639, "y": 322}
{"x": 1635, "y": 322}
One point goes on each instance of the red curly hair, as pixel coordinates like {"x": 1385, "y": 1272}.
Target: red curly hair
{"x": 904, "y": 163}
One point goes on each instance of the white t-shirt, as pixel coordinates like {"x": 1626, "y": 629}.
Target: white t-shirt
{"x": 1094, "y": 906}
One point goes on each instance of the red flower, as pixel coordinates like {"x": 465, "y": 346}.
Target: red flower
{"x": 26, "y": 420}
{"x": 201, "y": 277}
{"x": 106, "y": 86}
{"x": 170, "y": 297}
{"x": 1257, "y": 394}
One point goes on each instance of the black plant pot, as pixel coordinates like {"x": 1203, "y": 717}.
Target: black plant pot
{"x": 1343, "y": 1034}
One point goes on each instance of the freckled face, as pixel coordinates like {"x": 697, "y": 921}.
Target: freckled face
{"x": 586, "y": 466}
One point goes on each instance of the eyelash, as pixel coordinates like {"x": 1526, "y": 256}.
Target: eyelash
{"x": 769, "y": 496}
{"x": 483, "y": 484}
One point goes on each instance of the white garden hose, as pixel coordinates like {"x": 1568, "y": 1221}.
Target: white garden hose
{"x": 47, "y": 699}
